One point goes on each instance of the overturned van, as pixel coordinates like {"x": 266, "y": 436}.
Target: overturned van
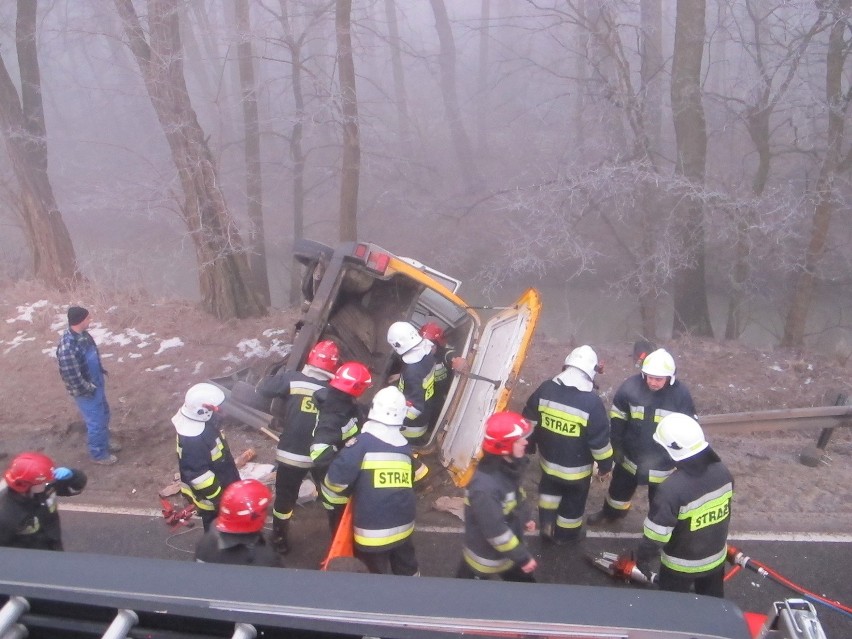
{"x": 352, "y": 294}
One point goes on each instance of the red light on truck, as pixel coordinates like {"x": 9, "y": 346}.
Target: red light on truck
{"x": 378, "y": 262}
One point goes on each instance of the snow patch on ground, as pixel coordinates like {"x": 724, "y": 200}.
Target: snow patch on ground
{"x": 166, "y": 344}
{"x": 27, "y": 312}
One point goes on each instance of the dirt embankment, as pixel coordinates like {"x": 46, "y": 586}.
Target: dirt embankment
{"x": 155, "y": 350}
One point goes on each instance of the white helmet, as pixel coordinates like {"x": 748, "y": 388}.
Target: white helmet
{"x": 659, "y": 363}
{"x": 584, "y": 358}
{"x": 680, "y": 435}
{"x": 402, "y": 336}
{"x": 198, "y": 407}
{"x": 388, "y": 407}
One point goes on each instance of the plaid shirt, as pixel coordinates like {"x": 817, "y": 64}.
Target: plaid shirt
{"x": 71, "y": 355}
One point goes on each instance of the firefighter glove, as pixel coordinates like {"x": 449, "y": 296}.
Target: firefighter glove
{"x": 62, "y": 473}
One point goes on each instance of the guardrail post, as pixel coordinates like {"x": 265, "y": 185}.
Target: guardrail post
{"x": 244, "y": 631}
{"x": 815, "y": 455}
{"x": 11, "y": 612}
{"x": 121, "y": 625}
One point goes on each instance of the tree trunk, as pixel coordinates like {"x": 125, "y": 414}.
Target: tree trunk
{"x": 482, "y": 79}
{"x": 25, "y": 134}
{"x": 827, "y": 201}
{"x": 581, "y": 72}
{"x": 254, "y": 181}
{"x": 297, "y": 154}
{"x": 400, "y": 94}
{"x": 223, "y": 272}
{"x": 351, "y": 135}
{"x": 460, "y": 138}
{"x": 691, "y": 314}
{"x": 650, "y": 112}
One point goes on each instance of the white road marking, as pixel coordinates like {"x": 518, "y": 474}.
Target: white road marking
{"x": 455, "y": 530}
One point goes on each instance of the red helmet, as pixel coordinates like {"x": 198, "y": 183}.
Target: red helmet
{"x": 243, "y": 507}
{"x": 324, "y": 355}
{"x": 28, "y": 470}
{"x": 434, "y": 333}
{"x": 353, "y": 378}
{"x": 502, "y": 430}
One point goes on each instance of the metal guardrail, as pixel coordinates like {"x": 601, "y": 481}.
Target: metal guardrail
{"x": 780, "y": 419}
{"x": 826, "y": 418}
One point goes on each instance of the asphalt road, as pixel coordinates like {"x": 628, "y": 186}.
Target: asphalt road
{"x": 822, "y": 563}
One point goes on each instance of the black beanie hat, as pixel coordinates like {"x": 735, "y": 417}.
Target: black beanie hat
{"x": 76, "y": 314}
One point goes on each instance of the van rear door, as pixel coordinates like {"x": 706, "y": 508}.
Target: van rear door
{"x": 500, "y": 352}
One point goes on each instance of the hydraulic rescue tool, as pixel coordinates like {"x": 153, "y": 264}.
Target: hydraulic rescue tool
{"x": 177, "y": 517}
{"x": 792, "y": 618}
{"x": 621, "y": 567}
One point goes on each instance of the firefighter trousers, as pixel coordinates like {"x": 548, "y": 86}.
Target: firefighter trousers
{"x": 710, "y": 583}
{"x": 560, "y": 507}
{"x": 288, "y": 480}
{"x": 399, "y": 560}
{"x": 622, "y": 487}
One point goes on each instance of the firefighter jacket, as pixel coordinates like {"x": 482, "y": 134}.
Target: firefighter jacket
{"x": 245, "y": 549}
{"x": 636, "y": 411}
{"x": 689, "y": 517}
{"x": 337, "y": 421}
{"x": 32, "y": 521}
{"x": 206, "y": 466}
{"x": 495, "y": 515}
{"x": 375, "y": 469}
{"x": 443, "y": 374}
{"x": 298, "y": 416}
{"x": 417, "y": 383}
{"x": 572, "y": 431}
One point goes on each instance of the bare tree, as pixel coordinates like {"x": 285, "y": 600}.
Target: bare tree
{"x": 690, "y": 290}
{"x": 482, "y": 77}
{"x": 254, "y": 181}
{"x": 835, "y": 162}
{"x": 756, "y": 108}
{"x": 400, "y": 95}
{"x": 449, "y": 92}
{"x": 351, "y": 135}
{"x": 25, "y": 134}
{"x": 224, "y": 277}
{"x": 649, "y": 131}
{"x": 294, "y": 39}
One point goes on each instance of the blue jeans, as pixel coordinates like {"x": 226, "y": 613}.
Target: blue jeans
{"x": 95, "y": 412}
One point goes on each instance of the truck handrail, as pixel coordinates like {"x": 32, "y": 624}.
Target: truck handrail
{"x": 211, "y": 599}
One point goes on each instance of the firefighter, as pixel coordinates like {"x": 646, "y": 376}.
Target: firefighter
{"x": 416, "y": 379}
{"x": 495, "y": 515}
{"x": 375, "y": 468}
{"x": 446, "y": 363}
{"x": 689, "y": 518}
{"x": 337, "y": 421}
{"x": 29, "y": 517}
{"x": 204, "y": 460}
{"x": 298, "y": 419}
{"x": 237, "y": 534}
{"x": 637, "y": 407}
{"x": 571, "y": 434}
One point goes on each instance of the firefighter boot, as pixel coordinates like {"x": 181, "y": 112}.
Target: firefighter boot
{"x": 604, "y": 517}
{"x": 547, "y": 527}
{"x": 280, "y": 528}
